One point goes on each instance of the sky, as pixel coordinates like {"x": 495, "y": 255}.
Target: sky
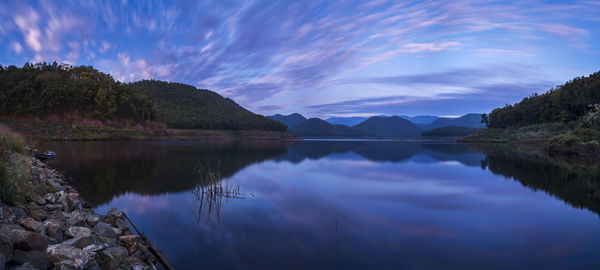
{"x": 320, "y": 58}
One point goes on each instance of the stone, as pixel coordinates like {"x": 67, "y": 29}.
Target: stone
{"x": 55, "y": 229}
{"x": 28, "y": 240}
{"x": 2, "y": 261}
{"x": 114, "y": 212}
{"x": 81, "y": 242}
{"x": 35, "y": 211}
{"x": 122, "y": 224}
{"x": 34, "y": 197}
{"x": 6, "y": 247}
{"x": 130, "y": 240}
{"x": 92, "y": 219}
{"x": 74, "y": 232}
{"x": 58, "y": 215}
{"x": 7, "y": 228}
{"x": 37, "y": 259}
{"x": 19, "y": 212}
{"x": 6, "y": 214}
{"x": 53, "y": 207}
{"x": 76, "y": 218}
{"x": 104, "y": 229}
{"x": 31, "y": 224}
{"x": 116, "y": 252}
{"x": 50, "y": 197}
{"x": 65, "y": 255}
{"x": 25, "y": 266}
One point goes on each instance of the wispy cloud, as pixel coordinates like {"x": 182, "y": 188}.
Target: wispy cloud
{"x": 266, "y": 53}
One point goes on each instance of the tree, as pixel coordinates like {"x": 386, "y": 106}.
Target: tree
{"x": 484, "y": 120}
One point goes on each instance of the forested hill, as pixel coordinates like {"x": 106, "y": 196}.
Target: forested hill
{"x": 565, "y": 103}
{"x": 186, "y": 107}
{"x": 45, "y": 89}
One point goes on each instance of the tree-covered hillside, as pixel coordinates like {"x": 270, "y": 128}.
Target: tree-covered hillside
{"x": 186, "y": 107}
{"x": 44, "y": 89}
{"x": 392, "y": 126}
{"x": 290, "y": 120}
{"x": 565, "y": 103}
{"x": 315, "y": 127}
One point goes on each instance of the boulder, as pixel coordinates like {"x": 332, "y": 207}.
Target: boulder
{"x": 34, "y": 197}
{"x": 122, "y": 224}
{"x": 6, "y": 214}
{"x": 26, "y": 240}
{"x": 50, "y": 197}
{"x": 36, "y": 211}
{"x": 76, "y": 218}
{"x": 2, "y": 261}
{"x": 25, "y": 266}
{"x": 92, "y": 219}
{"x": 65, "y": 255}
{"x": 116, "y": 252}
{"x": 130, "y": 240}
{"x": 114, "y": 212}
{"x": 74, "y": 232}
{"x": 37, "y": 259}
{"x": 6, "y": 247}
{"x": 53, "y": 207}
{"x": 55, "y": 229}
{"x": 7, "y": 228}
{"x": 82, "y": 242}
{"x": 31, "y": 224}
{"x": 104, "y": 229}
{"x": 19, "y": 212}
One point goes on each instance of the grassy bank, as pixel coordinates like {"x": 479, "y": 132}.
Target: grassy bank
{"x": 89, "y": 129}
{"x": 573, "y": 138}
{"x": 13, "y": 169}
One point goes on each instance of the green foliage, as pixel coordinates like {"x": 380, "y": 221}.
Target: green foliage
{"x": 185, "y": 107}
{"x": 13, "y": 169}
{"x": 450, "y": 131}
{"x": 44, "y": 88}
{"x": 389, "y": 127}
{"x": 566, "y": 103}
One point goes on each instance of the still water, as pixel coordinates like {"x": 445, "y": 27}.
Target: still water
{"x": 344, "y": 204}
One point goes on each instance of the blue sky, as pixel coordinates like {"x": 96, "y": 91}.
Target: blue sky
{"x": 320, "y": 58}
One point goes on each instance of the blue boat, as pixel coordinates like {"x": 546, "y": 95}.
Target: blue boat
{"x": 45, "y": 156}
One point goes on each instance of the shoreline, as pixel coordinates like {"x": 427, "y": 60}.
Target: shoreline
{"x": 50, "y": 227}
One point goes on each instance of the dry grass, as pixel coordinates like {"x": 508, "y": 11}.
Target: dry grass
{"x": 14, "y": 168}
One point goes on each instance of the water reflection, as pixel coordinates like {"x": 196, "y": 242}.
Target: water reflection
{"x": 347, "y": 204}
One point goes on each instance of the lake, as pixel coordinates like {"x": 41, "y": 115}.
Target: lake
{"x": 344, "y": 204}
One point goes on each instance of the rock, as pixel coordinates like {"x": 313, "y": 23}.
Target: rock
{"x": 116, "y": 252}
{"x": 76, "y": 218}
{"x": 6, "y": 248}
{"x": 53, "y": 207}
{"x": 114, "y": 212}
{"x": 28, "y": 240}
{"x": 34, "y": 197}
{"x": 75, "y": 200}
{"x": 82, "y": 242}
{"x": 130, "y": 240}
{"x": 104, "y": 229}
{"x": 55, "y": 229}
{"x": 64, "y": 255}
{"x": 58, "y": 215}
{"x": 6, "y": 214}
{"x": 64, "y": 201}
{"x": 50, "y": 197}
{"x": 19, "y": 212}
{"x": 37, "y": 259}
{"x": 122, "y": 224}
{"x": 2, "y": 261}
{"x": 31, "y": 224}
{"x": 110, "y": 241}
{"x": 92, "y": 219}
{"x": 35, "y": 211}
{"x": 74, "y": 232}
{"x": 25, "y": 266}
{"x": 7, "y": 228}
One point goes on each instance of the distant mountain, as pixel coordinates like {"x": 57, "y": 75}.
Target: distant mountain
{"x": 450, "y": 131}
{"x": 393, "y": 126}
{"x": 315, "y": 127}
{"x": 348, "y": 121}
{"x": 420, "y": 119}
{"x": 186, "y": 107}
{"x": 471, "y": 120}
{"x": 290, "y": 120}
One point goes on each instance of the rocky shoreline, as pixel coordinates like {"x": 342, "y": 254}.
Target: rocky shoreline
{"x": 52, "y": 229}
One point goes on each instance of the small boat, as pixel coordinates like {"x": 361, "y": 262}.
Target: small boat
{"x": 44, "y": 156}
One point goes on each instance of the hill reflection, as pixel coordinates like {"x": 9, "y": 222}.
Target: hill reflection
{"x": 103, "y": 170}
